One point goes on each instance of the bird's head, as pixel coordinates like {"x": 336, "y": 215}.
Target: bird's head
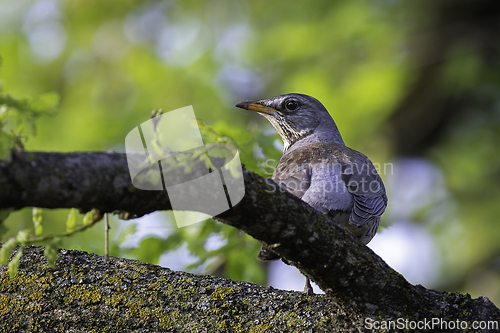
{"x": 294, "y": 116}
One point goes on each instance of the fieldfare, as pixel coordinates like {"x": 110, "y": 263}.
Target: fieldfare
{"x": 317, "y": 167}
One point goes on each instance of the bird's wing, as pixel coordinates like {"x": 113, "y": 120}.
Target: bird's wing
{"x": 365, "y": 185}
{"x": 322, "y": 165}
{"x": 293, "y": 175}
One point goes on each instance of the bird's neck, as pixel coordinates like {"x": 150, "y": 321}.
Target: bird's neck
{"x": 322, "y": 134}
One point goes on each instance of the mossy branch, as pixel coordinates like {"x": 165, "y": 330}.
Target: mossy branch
{"x": 84, "y": 293}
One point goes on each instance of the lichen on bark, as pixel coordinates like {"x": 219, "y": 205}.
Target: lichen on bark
{"x": 86, "y": 294}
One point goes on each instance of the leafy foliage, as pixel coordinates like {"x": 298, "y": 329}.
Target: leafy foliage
{"x": 17, "y": 119}
{"x": 51, "y": 242}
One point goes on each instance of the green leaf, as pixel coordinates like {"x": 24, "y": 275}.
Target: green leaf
{"x": 156, "y": 113}
{"x": 14, "y": 263}
{"x": 128, "y": 230}
{"x": 23, "y": 236}
{"x": 5, "y": 144}
{"x": 4, "y": 213}
{"x": 3, "y": 229}
{"x": 51, "y": 252}
{"x": 6, "y": 249}
{"x": 46, "y": 103}
{"x": 151, "y": 248}
{"x": 37, "y": 221}
{"x": 71, "y": 221}
{"x": 88, "y": 219}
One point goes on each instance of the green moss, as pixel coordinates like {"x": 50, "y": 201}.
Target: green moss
{"x": 292, "y": 320}
{"x": 145, "y": 314}
{"x": 114, "y": 300}
{"x": 221, "y": 326}
{"x": 165, "y": 322}
{"x": 127, "y": 294}
{"x": 85, "y": 295}
{"x": 10, "y": 306}
{"x": 116, "y": 279}
{"x": 161, "y": 284}
{"x": 220, "y": 293}
{"x": 4, "y": 302}
{"x": 260, "y": 328}
{"x": 133, "y": 307}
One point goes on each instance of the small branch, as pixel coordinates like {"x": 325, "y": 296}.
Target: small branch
{"x": 106, "y": 237}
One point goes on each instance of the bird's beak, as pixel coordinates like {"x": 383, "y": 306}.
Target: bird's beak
{"x": 256, "y": 106}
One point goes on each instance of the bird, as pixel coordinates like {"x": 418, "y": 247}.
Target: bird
{"x": 320, "y": 169}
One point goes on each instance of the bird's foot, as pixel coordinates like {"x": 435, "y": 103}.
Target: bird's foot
{"x": 266, "y": 254}
{"x": 308, "y": 289}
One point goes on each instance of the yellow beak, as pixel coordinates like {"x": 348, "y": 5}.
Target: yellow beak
{"x": 256, "y": 107}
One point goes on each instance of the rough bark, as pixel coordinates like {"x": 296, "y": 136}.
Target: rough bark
{"x": 86, "y": 294}
{"x": 357, "y": 282}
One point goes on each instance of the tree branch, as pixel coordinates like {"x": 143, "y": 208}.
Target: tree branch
{"x": 353, "y": 277}
{"x": 87, "y": 294}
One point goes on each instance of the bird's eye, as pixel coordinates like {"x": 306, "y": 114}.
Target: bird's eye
{"x": 291, "y": 105}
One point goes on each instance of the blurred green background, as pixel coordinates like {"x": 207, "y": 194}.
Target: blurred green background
{"x": 415, "y": 85}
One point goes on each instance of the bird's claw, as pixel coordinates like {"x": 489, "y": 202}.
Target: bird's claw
{"x": 308, "y": 289}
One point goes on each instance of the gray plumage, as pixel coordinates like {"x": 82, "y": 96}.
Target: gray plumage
{"x": 317, "y": 167}
{"x": 338, "y": 181}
